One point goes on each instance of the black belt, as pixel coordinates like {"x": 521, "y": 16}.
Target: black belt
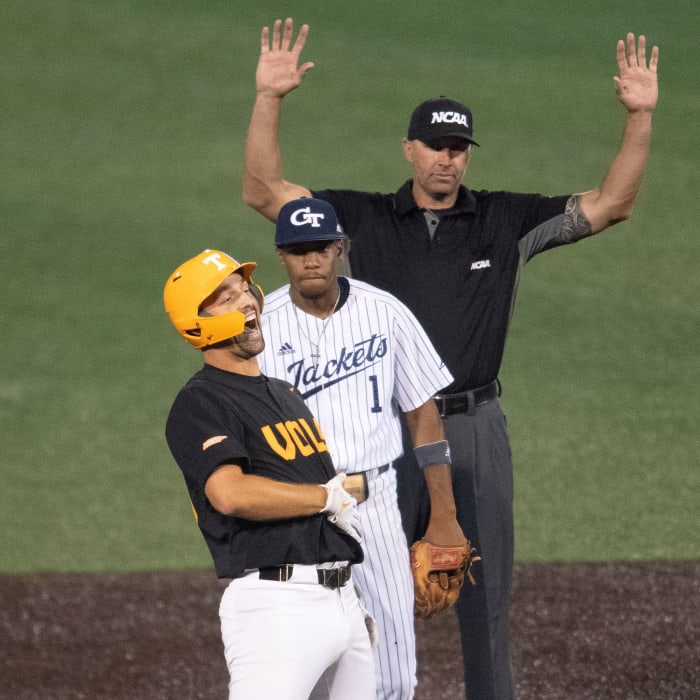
{"x": 372, "y": 472}
{"x": 465, "y": 401}
{"x": 357, "y": 484}
{"x": 329, "y": 578}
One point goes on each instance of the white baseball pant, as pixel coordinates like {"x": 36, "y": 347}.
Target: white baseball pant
{"x": 295, "y": 640}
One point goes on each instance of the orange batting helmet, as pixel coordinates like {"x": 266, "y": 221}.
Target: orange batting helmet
{"x": 191, "y": 284}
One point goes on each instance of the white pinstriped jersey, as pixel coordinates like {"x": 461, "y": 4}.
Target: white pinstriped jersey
{"x": 374, "y": 360}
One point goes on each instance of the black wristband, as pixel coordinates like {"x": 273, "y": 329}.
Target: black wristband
{"x": 434, "y": 453}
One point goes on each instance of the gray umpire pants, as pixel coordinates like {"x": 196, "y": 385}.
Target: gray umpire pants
{"x": 482, "y": 477}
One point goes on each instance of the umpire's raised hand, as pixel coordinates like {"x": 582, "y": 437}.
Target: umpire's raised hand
{"x": 278, "y": 69}
{"x": 636, "y": 85}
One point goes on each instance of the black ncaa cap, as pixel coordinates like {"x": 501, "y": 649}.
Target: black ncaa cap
{"x": 441, "y": 117}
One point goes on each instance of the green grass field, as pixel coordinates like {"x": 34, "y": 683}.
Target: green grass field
{"x": 122, "y": 135}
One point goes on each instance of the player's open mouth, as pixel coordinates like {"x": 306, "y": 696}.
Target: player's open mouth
{"x": 251, "y": 323}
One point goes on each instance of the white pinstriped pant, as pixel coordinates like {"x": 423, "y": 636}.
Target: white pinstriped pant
{"x": 387, "y": 587}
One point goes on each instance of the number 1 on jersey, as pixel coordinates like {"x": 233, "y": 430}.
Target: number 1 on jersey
{"x": 376, "y": 407}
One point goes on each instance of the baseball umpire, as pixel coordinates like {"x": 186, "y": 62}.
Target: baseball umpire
{"x": 267, "y": 500}
{"x": 454, "y": 256}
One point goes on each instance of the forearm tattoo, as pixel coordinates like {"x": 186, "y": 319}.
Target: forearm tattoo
{"x": 575, "y": 224}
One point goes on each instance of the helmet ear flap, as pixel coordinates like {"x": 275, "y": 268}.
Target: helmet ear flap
{"x": 216, "y": 329}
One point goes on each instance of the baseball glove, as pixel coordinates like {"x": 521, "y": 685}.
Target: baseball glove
{"x": 438, "y": 575}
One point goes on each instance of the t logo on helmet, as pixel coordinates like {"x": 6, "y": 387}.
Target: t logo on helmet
{"x": 304, "y": 216}
{"x": 214, "y": 258}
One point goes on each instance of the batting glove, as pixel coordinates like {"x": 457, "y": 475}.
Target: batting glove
{"x": 342, "y": 508}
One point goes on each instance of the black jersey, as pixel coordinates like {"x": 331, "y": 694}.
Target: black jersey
{"x": 261, "y": 424}
{"x": 461, "y": 282}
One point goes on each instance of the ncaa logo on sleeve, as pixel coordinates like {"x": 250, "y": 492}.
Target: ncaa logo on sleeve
{"x": 480, "y": 264}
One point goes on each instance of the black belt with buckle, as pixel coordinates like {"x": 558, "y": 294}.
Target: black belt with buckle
{"x": 465, "y": 401}
{"x": 357, "y": 485}
{"x": 328, "y": 578}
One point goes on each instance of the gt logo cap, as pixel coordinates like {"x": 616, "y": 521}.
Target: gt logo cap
{"x": 307, "y": 219}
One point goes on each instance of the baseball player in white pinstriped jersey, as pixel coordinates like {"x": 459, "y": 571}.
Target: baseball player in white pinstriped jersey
{"x": 358, "y": 356}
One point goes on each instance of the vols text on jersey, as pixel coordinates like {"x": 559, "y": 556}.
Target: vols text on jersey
{"x": 295, "y": 436}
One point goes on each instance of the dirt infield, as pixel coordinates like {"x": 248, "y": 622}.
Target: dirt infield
{"x": 599, "y": 631}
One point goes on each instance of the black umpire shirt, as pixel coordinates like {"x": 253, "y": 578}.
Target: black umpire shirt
{"x": 261, "y": 423}
{"x": 461, "y": 281}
